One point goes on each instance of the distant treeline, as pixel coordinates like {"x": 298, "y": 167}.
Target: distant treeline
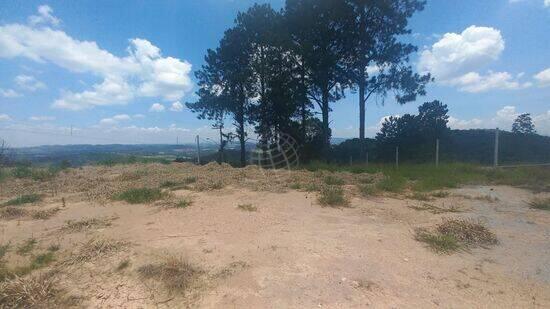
{"x": 474, "y": 146}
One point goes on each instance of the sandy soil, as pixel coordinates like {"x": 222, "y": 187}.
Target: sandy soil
{"x": 293, "y": 253}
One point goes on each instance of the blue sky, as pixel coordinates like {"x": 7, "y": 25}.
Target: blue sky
{"x": 121, "y": 71}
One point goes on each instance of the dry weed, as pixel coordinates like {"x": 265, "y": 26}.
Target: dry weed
{"x": 94, "y": 249}
{"x": 41, "y": 291}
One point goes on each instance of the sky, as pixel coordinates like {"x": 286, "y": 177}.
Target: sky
{"x": 104, "y": 72}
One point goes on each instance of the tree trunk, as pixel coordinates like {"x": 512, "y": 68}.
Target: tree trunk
{"x": 362, "y": 103}
{"x": 242, "y": 141}
{"x": 326, "y": 129}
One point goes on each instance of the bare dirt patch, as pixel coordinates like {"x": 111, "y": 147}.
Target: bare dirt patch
{"x": 290, "y": 253}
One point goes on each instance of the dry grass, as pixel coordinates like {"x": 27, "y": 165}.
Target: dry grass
{"x": 469, "y": 232}
{"x": 123, "y": 265}
{"x": 368, "y": 190}
{"x": 454, "y": 234}
{"x": 23, "y": 199}
{"x": 10, "y": 213}
{"x": 440, "y": 194}
{"x": 45, "y": 213}
{"x": 332, "y": 196}
{"x": 247, "y": 207}
{"x": 41, "y": 291}
{"x": 27, "y": 246}
{"x": 419, "y": 196}
{"x": 540, "y": 203}
{"x": 72, "y": 226}
{"x": 94, "y": 249}
{"x": 176, "y": 274}
{"x": 435, "y": 209}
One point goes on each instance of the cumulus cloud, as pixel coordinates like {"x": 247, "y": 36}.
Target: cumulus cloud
{"x": 176, "y": 107}
{"x": 4, "y": 117}
{"x": 503, "y": 118}
{"x": 543, "y": 77}
{"x": 44, "y": 16}
{"x": 454, "y": 59}
{"x": 29, "y": 83}
{"x": 41, "y": 118}
{"x": 143, "y": 72}
{"x": 156, "y": 107}
{"x": 9, "y": 93}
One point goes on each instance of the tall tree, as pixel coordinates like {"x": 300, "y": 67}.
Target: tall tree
{"x": 225, "y": 82}
{"x": 376, "y": 60}
{"x": 524, "y": 125}
{"x": 316, "y": 28}
{"x": 271, "y": 65}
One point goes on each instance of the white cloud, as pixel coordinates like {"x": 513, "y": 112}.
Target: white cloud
{"x": 156, "y": 107}
{"x": 9, "y": 93}
{"x": 138, "y": 116}
{"x": 456, "y": 54}
{"x": 144, "y": 72}
{"x": 503, "y": 119}
{"x": 44, "y": 17}
{"x": 115, "y": 119}
{"x": 41, "y": 118}
{"x": 454, "y": 59}
{"x": 28, "y": 82}
{"x": 547, "y": 3}
{"x": 543, "y": 77}
{"x": 4, "y": 117}
{"x": 474, "y": 82}
{"x": 176, "y": 107}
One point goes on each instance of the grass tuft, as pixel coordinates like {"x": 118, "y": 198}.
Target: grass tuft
{"x": 435, "y": 209}
{"x": 27, "y": 246}
{"x": 123, "y": 265}
{"x": 9, "y": 213}
{"x": 454, "y": 234}
{"x": 139, "y": 195}
{"x": 332, "y": 196}
{"x": 94, "y": 249}
{"x": 332, "y": 180}
{"x": 86, "y": 224}
{"x": 176, "y": 274}
{"x": 541, "y": 204}
{"x": 23, "y": 199}
{"x": 247, "y": 207}
{"x": 44, "y": 214}
{"x": 392, "y": 183}
{"x": 184, "y": 203}
{"x": 440, "y": 194}
{"x": 437, "y": 242}
{"x": 32, "y": 292}
{"x": 368, "y": 190}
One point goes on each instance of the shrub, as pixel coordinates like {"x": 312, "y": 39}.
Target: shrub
{"x": 368, "y": 190}
{"x": 334, "y": 181}
{"x": 21, "y": 171}
{"x": 437, "y": 242}
{"x": 468, "y": 232}
{"x": 139, "y": 195}
{"x": 184, "y": 203}
{"x": 332, "y": 196}
{"x": 393, "y": 183}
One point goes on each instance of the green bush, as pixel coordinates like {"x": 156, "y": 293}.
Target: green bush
{"x": 139, "y": 195}
{"x": 21, "y": 171}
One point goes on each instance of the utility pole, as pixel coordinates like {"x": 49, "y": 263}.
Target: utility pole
{"x": 198, "y": 151}
{"x": 495, "y": 161}
{"x": 437, "y": 152}
{"x": 397, "y": 156}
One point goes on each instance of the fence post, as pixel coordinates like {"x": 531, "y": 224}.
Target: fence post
{"x": 350, "y": 160}
{"x": 495, "y": 161}
{"x": 367, "y": 159}
{"x": 397, "y": 156}
{"x": 198, "y": 151}
{"x": 437, "y": 152}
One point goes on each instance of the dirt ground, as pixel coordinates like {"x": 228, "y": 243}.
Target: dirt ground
{"x": 293, "y": 253}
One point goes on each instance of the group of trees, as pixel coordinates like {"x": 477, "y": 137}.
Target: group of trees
{"x": 275, "y": 70}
